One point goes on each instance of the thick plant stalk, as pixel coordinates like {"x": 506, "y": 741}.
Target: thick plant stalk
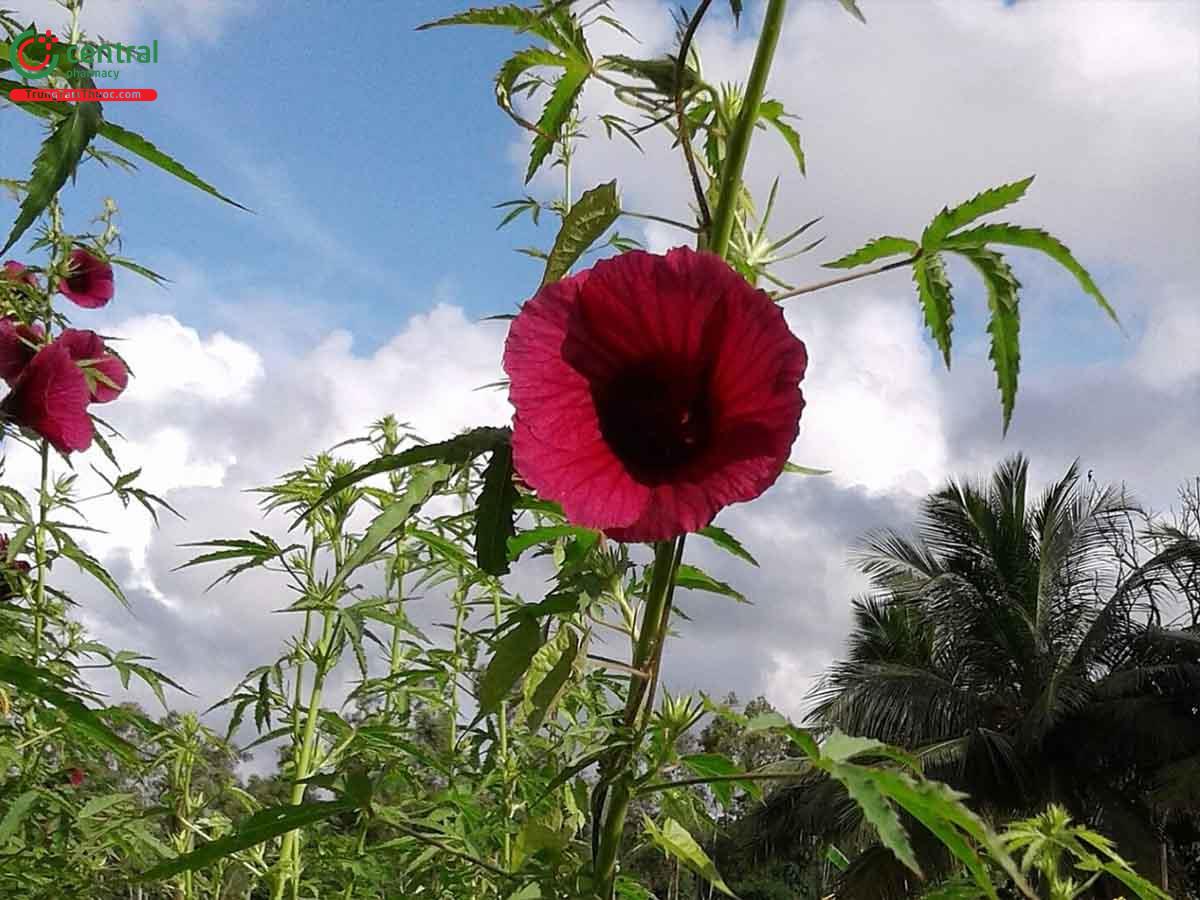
{"x": 647, "y": 652}
{"x": 739, "y": 140}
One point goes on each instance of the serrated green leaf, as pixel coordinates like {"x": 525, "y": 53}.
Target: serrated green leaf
{"x": 983, "y": 203}
{"x": 717, "y": 765}
{"x": 49, "y": 687}
{"x": 924, "y": 799}
{"x": 678, "y": 842}
{"x": 933, "y": 290}
{"x": 881, "y": 247}
{"x": 55, "y": 162}
{"x": 89, "y": 564}
{"x": 1004, "y": 325}
{"x": 520, "y": 63}
{"x": 694, "y": 579}
{"x": 521, "y": 542}
{"x": 772, "y": 112}
{"x": 1032, "y": 239}
{"x": 260, "y": 827}
{"x": 851, "y": 6}
{"x": 494, "y": 513}
{"x": 659, "y": 71}
{"x": 727, "y": 542}
{"x": 420, "y": 488}
{"x": 588, "y": 219}
{"x": 97, "y": 805}
{"x": 514, "y": 652}
{"x": 553, "y": 673}
{"x": 842, "y": 747}
{"x": 457, "y": 450}
{"x": 556, "y": 113}
{"x": 859, "y": 782}
{"x": 508, "y": 15}
{"x": 16, "y": 814}
{"x": 138, "y": 145}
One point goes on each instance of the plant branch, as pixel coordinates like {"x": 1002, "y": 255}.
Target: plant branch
{"x": 685, "y": 137}
{"x": 715, "y": 779}
{"x": 846, "y": 279}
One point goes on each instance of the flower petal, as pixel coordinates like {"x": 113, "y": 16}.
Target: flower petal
{"x": 90, "y": 282}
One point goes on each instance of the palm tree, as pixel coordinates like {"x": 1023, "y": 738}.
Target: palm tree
{"x": 1020, "y": 648}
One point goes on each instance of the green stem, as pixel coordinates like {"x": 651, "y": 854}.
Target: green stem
{"x": 502, "y": 735}
{"x": 289, "y": 850}
{"x": 396, "y": 656}
{"x": 616, "y": 796}
{"x": 739, "y": 140}
{"x": 39, "y": 552}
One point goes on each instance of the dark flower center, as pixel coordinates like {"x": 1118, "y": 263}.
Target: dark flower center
{"x": 655, "y": 417}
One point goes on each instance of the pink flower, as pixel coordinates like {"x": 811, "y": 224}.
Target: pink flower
{"x": 76, "y": 777}
{"x": 88, "y": 350}
{"x": 18, "y": 344}
{"x": 652, "y": 391}
{"x": 15, "y": 271}
{"x": 90, "y": 282}
{"x": 50, "y": 398}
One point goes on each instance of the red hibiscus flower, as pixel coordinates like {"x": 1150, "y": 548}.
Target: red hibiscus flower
{"x": 90, "y": 282}
{"x": 76, "y": 777}
{"x": 652, "y": 391}
{"x": 106, "y": 373}
{"x": 18, "y": 344}
{"x": 51, "y": 398}
{"x": 15, "y": 271}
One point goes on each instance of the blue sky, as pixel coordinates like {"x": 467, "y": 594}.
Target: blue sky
{"x": 372, "y": 164}
{"x": 373, "y": 155}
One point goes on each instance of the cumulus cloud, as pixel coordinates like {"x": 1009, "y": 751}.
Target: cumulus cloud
{"x": 183, "y": 21}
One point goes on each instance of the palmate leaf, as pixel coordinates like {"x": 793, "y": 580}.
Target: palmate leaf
{"x": 556, "y": 114}
{"x": 678, "y": 842}
{"x": 937, "y": 303}
{"x": 509, "y": 15}
{"x": 1032, "y": 239}
{"x": 260, "y": 827}
{"x": 588, "y": 219}
{"x": 55, "y": 162}
{"x": 49, "y": 687}
{"x": 983, "y": 203}
{"x": 880, "y": 248}
{"x": 1005, "y": 323}
{"x": 494, "y": 524}
{"x": 520, "y": 63}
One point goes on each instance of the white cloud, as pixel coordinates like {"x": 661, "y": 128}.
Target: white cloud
{"x": 139, "y": 21}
